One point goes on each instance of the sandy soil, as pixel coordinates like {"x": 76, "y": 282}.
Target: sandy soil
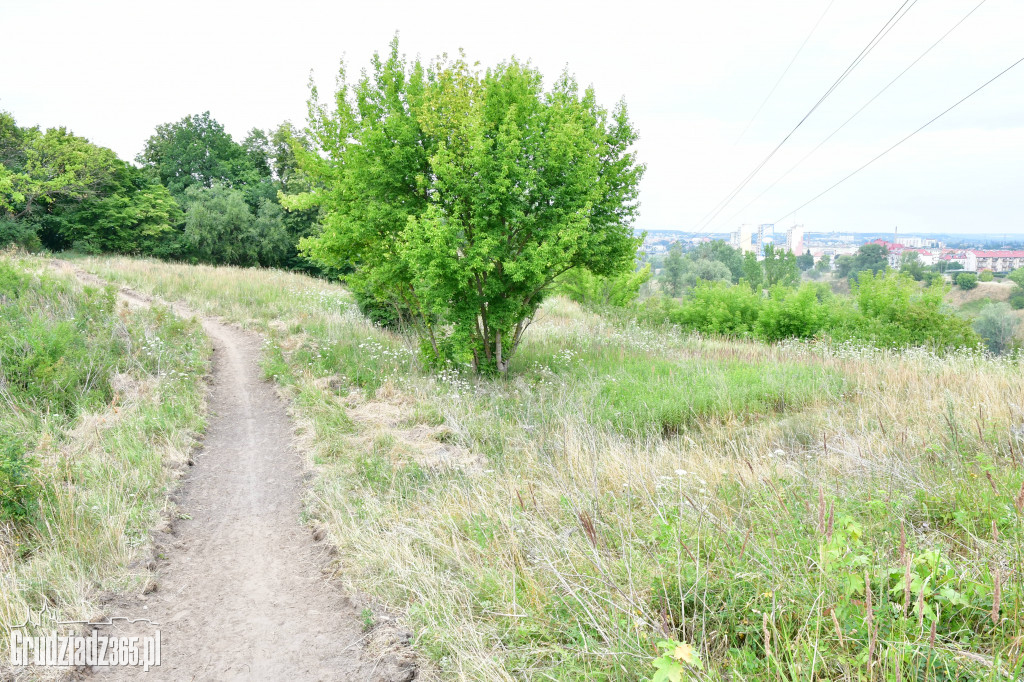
{"x": 239, "y": 584}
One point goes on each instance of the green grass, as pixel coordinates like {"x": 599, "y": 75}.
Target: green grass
{"x": 629, "y": 485}
{"x": 645, "y": 394}
{"x": 972, "y": 308}
{"x": 101, "y": 405}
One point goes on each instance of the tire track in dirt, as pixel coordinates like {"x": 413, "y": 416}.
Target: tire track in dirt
{"x": 240, "y": 591}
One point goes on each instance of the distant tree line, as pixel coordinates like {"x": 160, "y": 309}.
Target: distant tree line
{"x": 195, "y": 194}
{"x": 715, "y": 288}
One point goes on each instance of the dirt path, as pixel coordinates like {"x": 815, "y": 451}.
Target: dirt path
{"x": 239, "y": 590}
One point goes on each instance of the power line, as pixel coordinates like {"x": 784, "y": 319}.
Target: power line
{"x": 886, "y": 28}
{"x": 961, "y": 101}
{"x": 856, "y": 113}
{"x": 786, "y": 70}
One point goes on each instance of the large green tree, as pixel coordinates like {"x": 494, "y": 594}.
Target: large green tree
{"x": 465, "y": 194}
{"x": 197, "y": 151}
{"x": 220, "y": 228}
{"x": 780, "y": 267}
{"x": 672, "y": 273}
{"x": 873, "y": 258}
{"x": 722, "y": 252}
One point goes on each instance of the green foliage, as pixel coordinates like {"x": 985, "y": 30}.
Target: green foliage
{"x": 1016, "y": 299}
{"x": 1017, "y": 277}
{"x": 986, "y": 276}
{"x": 873, "y": 258}
{"x": 824, "y": 263}
{"x": 196, "y": 151}
{"x": 779, "y": 267}
{"x": 59, "y": 190}
{"x": 18, "y": 233}
{"x": 672, "y": 276}
{"x": 753, "y": 273}
{"x": 910, "y": 265}
{"x": 220, "y": 229}
{"x": 996, "y": 326}
{"x": 967, "y": 280}
{"x": 893, "y": 311}
{"x": 19, "y": 490}
{"x": 723, "y": 252}
{"x": 50, "y": 167}
{"x": 466, "y": 194}
{"x": 130, "y": 214}
{"x": 705, "y": 270}
{"x": 805, "y": 261}
{"x": 620, "y": 290}
{"x": 717, "y": 308}
{"x": 845, "y": 265}
{"x": 391, "y": 313}
{"x": 888, "y": 310}
{"x": 795, "y": 313}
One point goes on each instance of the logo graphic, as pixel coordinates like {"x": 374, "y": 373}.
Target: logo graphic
{"x": 94, "y": 650}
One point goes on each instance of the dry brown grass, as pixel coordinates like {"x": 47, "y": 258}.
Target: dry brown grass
{"x": 562, "y": 558}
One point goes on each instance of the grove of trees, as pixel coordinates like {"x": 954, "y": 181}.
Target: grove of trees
{"x": 196, "y": 194}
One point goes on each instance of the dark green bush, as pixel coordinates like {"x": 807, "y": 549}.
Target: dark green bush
{"x": 967, "y": 280}
{"x": 893, "y": 311}
{"x": 20, "y": 234}
{"x": 382, "y": 312}
{"x": 1016, "y": 299}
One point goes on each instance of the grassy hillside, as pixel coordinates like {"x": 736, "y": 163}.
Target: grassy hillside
{"x": 790, "y": 511}
{"x": 971, "y": 303}
{"x": 99, "y": 407}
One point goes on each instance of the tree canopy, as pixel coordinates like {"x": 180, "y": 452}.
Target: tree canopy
{"x": 464, "y": 194}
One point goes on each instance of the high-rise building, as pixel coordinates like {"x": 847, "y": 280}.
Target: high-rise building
{"x": 761, "y": 230}
{"x": 743, "y": 238}
{"x": 795, "y": 240}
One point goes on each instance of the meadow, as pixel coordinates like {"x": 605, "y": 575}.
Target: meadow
{"x": 790, "y": 511}
{"x": 100, "y": 408}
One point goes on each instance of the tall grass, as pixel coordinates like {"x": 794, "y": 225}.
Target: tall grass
{"x": 793, "y": 511}
{"x": 100, "y": 404}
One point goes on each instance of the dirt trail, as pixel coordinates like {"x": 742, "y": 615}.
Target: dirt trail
{"x": 239, "y": 589}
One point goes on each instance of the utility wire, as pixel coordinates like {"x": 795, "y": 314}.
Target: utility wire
{"x": 893, "y": 20}
{"x": 961, "y": 101}
{"x": 856, "y": 113}
{"x": 788, "y": 67}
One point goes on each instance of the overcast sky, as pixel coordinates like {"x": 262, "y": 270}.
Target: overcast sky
{"x": 693, "y": 75}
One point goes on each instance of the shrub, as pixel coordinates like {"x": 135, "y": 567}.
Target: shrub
{"x": 996, "y": 326}
{"x": 717, "y": 308}
{"x": 1016, "y": 299}
{"x": 967, "y": 280}
{"x": 893, "y": 311}
{"x": 801, "y": 313}
{"x": 392, "y": 314}
{"x": 985, "y": 276}
{"x": 58, "y": 346}
{"x": 586, "y": 288}
{"x": 18, "y": 488}
{"x": 19, "y": 233}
